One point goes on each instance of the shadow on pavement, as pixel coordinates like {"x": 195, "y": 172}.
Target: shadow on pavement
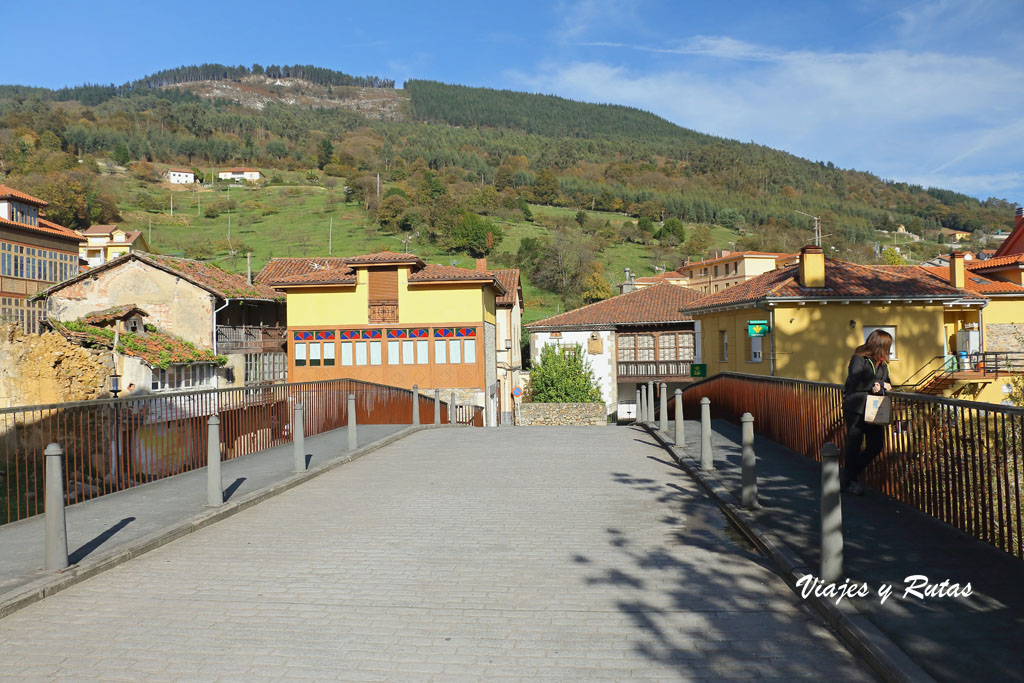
{"x": 83, "y": 550}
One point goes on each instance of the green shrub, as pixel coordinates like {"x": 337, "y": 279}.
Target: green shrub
{"x": 562, "y": 375}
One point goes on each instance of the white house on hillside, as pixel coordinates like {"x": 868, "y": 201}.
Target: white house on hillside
{"x": 180, "y": 176}
{"x": 240, "y": 174}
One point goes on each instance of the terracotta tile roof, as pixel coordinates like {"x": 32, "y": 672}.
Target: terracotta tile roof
{"x": 734, "y": 255}
{"x": 239, "y": 169}
{"x": 99, "y": 230}
{"x": 434, "y": 272}
{"x": 8, "y": 192}
{"x": 181, "y": 170}
{"x": 995, "y": 262}
{"x": 509, "y": 279}
{"x": 657, "y": 304}
{"x": 322, "y": 276}
{"x": 279, "y": 268}
{"x": 109, "y": 315}
{"x": 203, "y": 275}
{"x": 108, "y": 230}
{"x": 384, "y": 257}
{"x": 843, "y": 280}
{"x": 661, "y": 277}
{"x": 154, "y": 347}
{"x": 975, "y": 282}
{"x": 46, "y": 227}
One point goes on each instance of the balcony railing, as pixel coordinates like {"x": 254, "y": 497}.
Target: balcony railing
{"x": 383, "y": 311}
{"x": 654, "y": 368}
{"x": 250, "y": 339}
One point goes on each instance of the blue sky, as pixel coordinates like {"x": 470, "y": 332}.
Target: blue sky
{"x": 929, "y": 92}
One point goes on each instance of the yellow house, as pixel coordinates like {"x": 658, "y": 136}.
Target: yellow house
{"x": 106, "y": 242}
{"x": 814, "y": 314}
{"x": 392, "y": 319}
{"x": 727, "y": 270}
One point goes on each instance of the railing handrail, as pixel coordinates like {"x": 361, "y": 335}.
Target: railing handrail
{"x": 197, "y": 392}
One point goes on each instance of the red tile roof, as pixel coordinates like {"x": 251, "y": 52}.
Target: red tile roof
{"x": 109, "y": 315}
{"x": 734, "y": 255}
{"x": 509, "y": 279}
{"x": 107, "y": 230}
{"x": 45, "y": 227}
{"x": 658, "y": 304}
{"x": 994, "y": 262}
{"x": 277, "y": 269}
{"x": 239, "y": 169}
{"x": 8, "y": 192}
{"x": 975, "y": 282}
{"x": 384, "y": 257}
{"x": 661, "y": 277}
{"x": 434, "y": 272}
{"x": 843, "y": 280}
{"x": 154, "y": 347}
{"x": 318, "y": 276}
{"x": 203, "y": 275}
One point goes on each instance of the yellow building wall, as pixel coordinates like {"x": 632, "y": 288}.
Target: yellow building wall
{"x": 815, "y": 342}
{"x": 1003, "y": 311}
{"x": 328, "y": 306}
{"x": 427, "y": 304}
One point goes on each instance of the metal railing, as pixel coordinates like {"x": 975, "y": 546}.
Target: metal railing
{"x": 252, "y": 338}
{"x": 961, "y": 462}
{"x": 113, "y": 444}
{"x": 653, "y": 368}
{"x": 383, "y": 311}
{"x": 942, "y": 371}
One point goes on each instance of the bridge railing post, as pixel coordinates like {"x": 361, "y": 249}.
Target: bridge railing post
{"x": 749, "y": 462}
{"x": 352, "y": 441}
{"x": 663, "y": 418}
{"x": 214, "y": 482}
{"x": 453, "y": 413}
{"x": 415, "y": 404}
{"x": 56, "y": 530}
{"x": 831, "y": 516}
{"x": 707, "y": 461}
{"x": 298, "y": 440}
{"x": 680, "y": 436}
{"x": 650, "y": 401}
{"x": 437, "y": 407}
{"x": 636, "y": 407}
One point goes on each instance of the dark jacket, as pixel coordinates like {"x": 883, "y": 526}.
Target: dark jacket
{"x": 862, "y": 375}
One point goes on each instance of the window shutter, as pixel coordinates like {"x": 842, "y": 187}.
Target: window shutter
{"x": 383, "y": 284}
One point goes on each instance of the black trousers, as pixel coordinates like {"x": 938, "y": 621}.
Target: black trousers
{"x": 857, "y": 433}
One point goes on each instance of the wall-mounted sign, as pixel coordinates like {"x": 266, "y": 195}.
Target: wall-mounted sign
{"x": 698, "y": 370}
{"x": 757, "y": 328}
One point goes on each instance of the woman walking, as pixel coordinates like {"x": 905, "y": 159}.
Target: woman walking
{"x": 868, "y": 374}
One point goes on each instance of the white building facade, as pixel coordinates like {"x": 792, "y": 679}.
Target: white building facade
{"x": 180, "y": 176}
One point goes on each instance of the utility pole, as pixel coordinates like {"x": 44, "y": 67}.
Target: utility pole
{"x": 330, "y": 238}
{"x": 151, "y": 231}
{"x": 378, "y": 188}
{"x": 172, "y": 205}
{"x": 817, "y": 227}
{"x": 248, "y": 267}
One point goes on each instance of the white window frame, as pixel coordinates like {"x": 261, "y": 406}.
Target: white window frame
{"x": 394, "y": 352}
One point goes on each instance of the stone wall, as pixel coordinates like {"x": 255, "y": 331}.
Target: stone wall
{"x": 46, "y": 368}
{"x": 1004, "y": 337}
{"x": 563, "y": 414}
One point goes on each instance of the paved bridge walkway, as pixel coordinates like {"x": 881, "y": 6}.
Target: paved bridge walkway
{"x": 543, "y": 553}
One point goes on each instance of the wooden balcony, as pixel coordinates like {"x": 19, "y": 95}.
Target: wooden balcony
{"x": 250, "y": 339}
{"x": 383, "y": 311}
{"x": 654, "y": 369}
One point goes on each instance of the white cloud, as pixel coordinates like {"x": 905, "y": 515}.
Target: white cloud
{"x": 892, "y": 112}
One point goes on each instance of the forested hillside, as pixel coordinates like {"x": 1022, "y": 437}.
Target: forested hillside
{"x": 459, "y": 171}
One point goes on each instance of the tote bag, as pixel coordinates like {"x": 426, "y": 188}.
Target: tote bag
{"x": 878, "y": 410}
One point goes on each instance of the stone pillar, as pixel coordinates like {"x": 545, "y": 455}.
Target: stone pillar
{"x": 298, "y": 439}
{"x": 415, "y": 404}
{"x": 453, "y": 413}
{"x": 214, "y": 483}
{"x": 663, "y": 419}
{"x": 707, "y": 460}
{"x": 353, "y": 443}
{"x": 437, "y": 406}
{"x": 642, "y": 408}
{"x": 638, "y": 407}
{"x": 749, "y": 462}
{"x": 55, "y": 530}
{"x": 831, "y": 516}
{"x": 680, "y": 436}
{"x": 650, "y": 401}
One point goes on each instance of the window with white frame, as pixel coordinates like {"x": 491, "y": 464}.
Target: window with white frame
{"x": 184, "y": 377}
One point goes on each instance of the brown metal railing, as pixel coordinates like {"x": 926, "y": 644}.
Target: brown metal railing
{"x": 961, "y": 462}
{"x": 469, "y": 415}
{"x": 240, "y": 338}
{"x": 383, "y": 311}
{"x": 653, "y": 368}
{"x": 112, "y": 444}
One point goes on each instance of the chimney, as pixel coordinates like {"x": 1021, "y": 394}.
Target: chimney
{"x": 481, "y": 264}
{"x": 957, "y": 272}
{"x": 812, "y": 267}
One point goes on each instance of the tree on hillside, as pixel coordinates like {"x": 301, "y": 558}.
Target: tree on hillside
{"x": 545, "y": 188}
{"x": 891, "y": 257}
{"x": 562, "y": 375}
{"x": 700, "y": 241}
{"x": 324, "y": 153}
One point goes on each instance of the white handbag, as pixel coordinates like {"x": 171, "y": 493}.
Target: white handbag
{"x": 878, "y": 410}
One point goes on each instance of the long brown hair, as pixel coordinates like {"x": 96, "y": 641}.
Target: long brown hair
{"x": 876, "y": 347}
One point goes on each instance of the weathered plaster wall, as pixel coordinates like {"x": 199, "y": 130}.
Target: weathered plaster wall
{"x": 173, "y": 304}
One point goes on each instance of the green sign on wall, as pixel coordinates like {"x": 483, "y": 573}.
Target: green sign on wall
{"x": 757, "y": 328}
{"x": 698, "y": 370}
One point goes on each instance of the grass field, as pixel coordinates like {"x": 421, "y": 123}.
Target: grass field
{"x": 310, "y": 220}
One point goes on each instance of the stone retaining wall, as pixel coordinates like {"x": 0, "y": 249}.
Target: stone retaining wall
{"x": 563, "y": 414}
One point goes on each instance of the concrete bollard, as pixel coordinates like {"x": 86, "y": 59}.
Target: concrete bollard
{"x": 636, "y": 407}
{"x": 641, "y": 410}
{"x": 453, "y": 413}
{"x": 56, "y": 530}
{"x": 831, "y": 516}
{"x": 214, "y": 482}
{"x": 680, "y": 436}
{"x": 352, "y": 442}
{"x": 707, "y": 461}
{"x": 749, "y": 462}
{"x": 415, "y": 404}
{"x": 299, "y": 439}
{"x": 663, "y": 418}
{"x": 437, "y": 406}
{"x": 650, "y": 401}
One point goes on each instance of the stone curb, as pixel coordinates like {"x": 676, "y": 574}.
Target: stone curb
{"x": 883, "y": 655}
{"x": 24, "y": 596}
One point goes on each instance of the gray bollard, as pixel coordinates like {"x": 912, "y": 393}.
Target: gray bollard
{"x": 415, "y": 404}
{"x": 749, "y": 462}
{"x": 352, "y": 442}
{"x": 663, "y": 419}
{"x": 214, "y": 482}
{"x": 56, "y": 530}
{"x": 680, "y": 436}
{"x": 831, "y": 516}
{"x": 299, "y": 439}
{"x": 636, "y": 407}
{"x": 641, "y": 410}
{"x": 707, "y": 461}
{"x": 650, "y": 401}
{"x": 453, "y": 413}
{"x": 437, "y": 406}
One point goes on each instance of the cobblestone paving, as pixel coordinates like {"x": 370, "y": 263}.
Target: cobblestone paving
{"x": 555, "y": 553}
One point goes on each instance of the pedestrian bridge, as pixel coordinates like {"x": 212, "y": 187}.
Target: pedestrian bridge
{"x": 449, "y": 553}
